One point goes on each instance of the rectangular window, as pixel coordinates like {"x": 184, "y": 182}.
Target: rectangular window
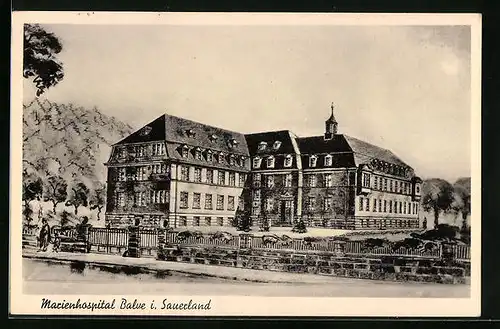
{"x": 366, "y": 180}
{"x": 197, "y": 175}
{"x": 221, "y": 177}
{"x": 312, "y": 181}
{"x": 327, "y": 204}
{"x": 220, "y": 202}
{"x": 122, "y": 174}
{"x": 232, "y": 179}
{"x": 269, "y": 204}
{"x": 270, "y": 162}
{"x": 256, "y": 195}
{"x": 288, "y": 161}
{"x": 390, "y": 206}
{"x": 391, "y": 186}
{"x": 374, "y": 205}
{"x": 159, "y": 196}
{"x": 120, "y": 153}
{"x": 184, "y": 173}
{"x": 220, "y": 221}
{"x": 208, "y": 201}
{"x": 400, "y": 207}
{"x": 404, "y": 208}
{"x": 210, "y": 176}
{"x": 230, "y": 203}
{"x": 158, "y": 149}
{"x": 231, "y": 160}
{"x": 183, "y": 202}
{"x": 288, "y": 180}
{"x": 140, "y": 173}
{"x": 196, "y": 200}
{"x": 120, "y": 199}
{"x": 139, "y": 199}
{"x": 312, "y": 161}
{"x": 379, "y": 205}
{"x": 196, "y": 221}
{"x": 256, "y": 162}
{"x": 208, "y": 221}
{"x": 367, "y": 206}
{"x": 385, "y": 205}
{"x": 197, "y": 154}
{"x": 361, "y": 200}
{"x": 328, "y": 160}
{"x": 256, "y": 180}
{"x": 328, "y": 180}
{"x": 416, "y": 210}
{"x": 209, "y": 156}
{"x": 221, "y": 158}
{"x": 242, "y": 180}
{"x": 385, "y": 184}
{"x": 270, "y": 181}
{"x": 311, "y": 202}
{"x": 182, "y": 221}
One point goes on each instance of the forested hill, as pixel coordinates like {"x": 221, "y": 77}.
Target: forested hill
{"x": 67, "y": 140}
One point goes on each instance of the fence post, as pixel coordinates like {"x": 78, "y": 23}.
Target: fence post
{"x": 108, "y": 232}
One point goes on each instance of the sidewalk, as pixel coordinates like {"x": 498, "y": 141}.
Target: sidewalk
{"x": 151, "y": 264}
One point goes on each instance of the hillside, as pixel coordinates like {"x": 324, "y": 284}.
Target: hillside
{"x": 71, "y": 141}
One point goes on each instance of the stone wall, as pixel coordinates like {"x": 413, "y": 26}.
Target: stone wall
{"x": 375, "y": 268}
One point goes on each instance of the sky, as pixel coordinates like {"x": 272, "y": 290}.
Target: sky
{"x": 404, "y": 88}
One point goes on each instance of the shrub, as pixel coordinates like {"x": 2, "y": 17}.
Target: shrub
{"x": 300, "y": 227}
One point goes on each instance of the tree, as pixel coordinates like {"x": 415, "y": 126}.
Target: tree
{"x": 98, "y": 199}
{"x": 462, "y": 196}
{"x": 78, "y": 196}
{"x": 32, "y": 190}
{"x": 40, "y": 62}
{"x": 437, "y": 197}
{"x": 55, "y": 191}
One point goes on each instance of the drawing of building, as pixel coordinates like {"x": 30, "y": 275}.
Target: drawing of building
{"x": 178, "y": 172}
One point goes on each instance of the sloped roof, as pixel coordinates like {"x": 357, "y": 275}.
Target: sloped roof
{"x": 365, "y": 152}
{"x": 270, "y": 137}
{"x": 176, "y": 129}
{"x": 157, "y": 133}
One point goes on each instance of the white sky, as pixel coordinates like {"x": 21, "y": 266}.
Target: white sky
{"x": 403, "y": 88}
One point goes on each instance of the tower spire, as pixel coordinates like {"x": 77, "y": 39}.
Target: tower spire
{"x": 331, "y": 125}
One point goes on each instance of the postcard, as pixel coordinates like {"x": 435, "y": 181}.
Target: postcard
{"x": 245, "y": 164}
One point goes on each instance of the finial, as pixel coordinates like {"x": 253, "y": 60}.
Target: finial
{"x": 332, "y": 107}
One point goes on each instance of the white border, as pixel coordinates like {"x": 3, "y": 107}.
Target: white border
{"x": 253, "y": 306}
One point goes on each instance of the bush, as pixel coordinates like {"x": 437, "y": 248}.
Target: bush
{"x": 443, "y": 232}
{"x": 300, "y": 227}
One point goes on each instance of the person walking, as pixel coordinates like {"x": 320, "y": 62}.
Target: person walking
{"x": 44, "y": 237}
{"x": 424, "y": 223}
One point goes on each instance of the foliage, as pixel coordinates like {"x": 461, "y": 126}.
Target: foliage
{"x": 78, "y": 196}
{"x": 299, "y": 227}
{"x": 462, "y": 198}
{"x": 65, "y": 218}
{"x": 55, "y": 191}
{"x": 39, "y": 61}
{"x": 442, "y": 232}
{"x": 375, "y": 242}
{"x": 98, "y": 198}
{"x": 438, "y": 196}
{"x": 32, "y": 187}
{"x": 264, "y": 223}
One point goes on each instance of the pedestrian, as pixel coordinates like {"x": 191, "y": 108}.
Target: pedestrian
{"x": 424, "y": 223}
{"x": 57, "y": 242}
{"x": 44, "y": 236}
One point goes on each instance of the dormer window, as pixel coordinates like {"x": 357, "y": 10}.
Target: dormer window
{"x": 256, "y": 162}
{"x": 328, "y": 160}
{"x": 209, "y": 156}
{"x": 190, "y": 133}
{"x": 262, "y": 146}
{"x": 120, "y": 153}
{"x": 221, "y": 157}
{"x": 184, "y": 151}
{"x": 231, "y": 160}
{"x": 312, "y": 161}
{"x": 213, "y": 138}
{"x": 233, "y": 142}
{"x": 145, "y": 131}
{"x": 276, "y": 145}
{"x": 242, "y": 161}
{"x": 270, "y": 162}
{"x": 197, "y": 153}
{"x": 288, "y": 160}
